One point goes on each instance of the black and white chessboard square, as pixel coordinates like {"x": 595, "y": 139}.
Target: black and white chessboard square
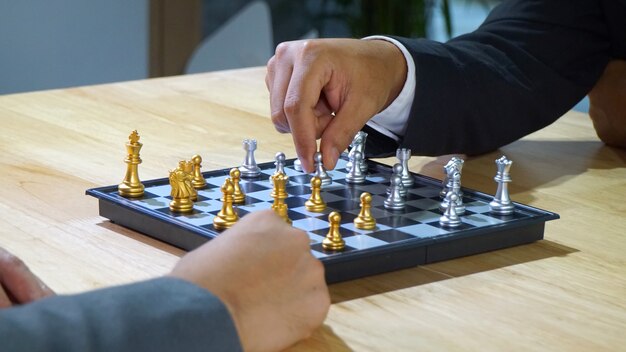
{"x": 418, "y": 222}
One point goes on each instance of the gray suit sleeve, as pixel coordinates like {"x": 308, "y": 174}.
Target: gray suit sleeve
{"x": 164, "y": 314}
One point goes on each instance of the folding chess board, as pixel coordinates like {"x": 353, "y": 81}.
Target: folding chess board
{"x": 402, "y": 238}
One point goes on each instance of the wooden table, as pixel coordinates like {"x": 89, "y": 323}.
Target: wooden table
{"x": 567, "y": 292}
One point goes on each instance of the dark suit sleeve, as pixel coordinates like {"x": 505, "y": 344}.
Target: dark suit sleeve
{"x": 527, "y": 64}
{"x": 164, "y": 314}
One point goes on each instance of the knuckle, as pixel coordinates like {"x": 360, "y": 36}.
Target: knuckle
{"x": 311, "y": 47}
{"x": 281, "y": 50}
{"x": 278, "y": 117}
{"x": 291, "y": 106}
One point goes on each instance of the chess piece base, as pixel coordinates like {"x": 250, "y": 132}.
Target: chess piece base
{"x": 365, "y": 224}
{"x": 248, "y": 173}
{"x": 314, "y": 207}
{"x": 224, "y": 223}
{"x": 393, "y": 206}
{"x": 448, "y": 222}
{"x": 183, "y": 205}
{"x": 500, "y": 209}
{"x": 333, "y": 245}
{"x": 128, "y": 191}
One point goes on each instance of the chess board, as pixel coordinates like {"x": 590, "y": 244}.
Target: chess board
{"x": 402, "y": 238}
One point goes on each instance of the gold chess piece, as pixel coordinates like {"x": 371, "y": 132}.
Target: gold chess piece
{"x": 227, "y": 216}
{"x": 279, "y": 194}
{"x": 131, "y": 187}
{"x": 198, "y": 181}
{"x": 315, "y": 203}
{"x": 187, "y": 167}
{"x": 333, "y": 240}
{"x": 365, "y": 221}
{"x": 181, "y": 191}
{"x": 235, "y": 176}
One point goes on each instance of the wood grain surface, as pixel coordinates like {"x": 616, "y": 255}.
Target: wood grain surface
{"x": 567, "y": 292}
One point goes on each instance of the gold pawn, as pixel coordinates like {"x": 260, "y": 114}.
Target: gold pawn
{"x": 365, "y": 221}
{"x": 333, "y": 240}
{"x": 315, "y": 203}
{"x": 198, "y": 181}
{"x": 238, "y": 196}
{"x": 131, "y": 187}
{"x": 227, "y": 216}
{"x": 279, "y": 194}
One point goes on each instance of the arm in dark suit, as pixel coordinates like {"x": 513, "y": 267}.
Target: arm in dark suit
{"x": 528, "y": 63}
{"x": 163, "y": 314}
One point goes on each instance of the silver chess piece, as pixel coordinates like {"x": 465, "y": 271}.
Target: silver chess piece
{"x": 355, "y": 175}
{"x": 403, "y": 155}
{"x": 394, "y": 200}
{"x": 455, "y": 187}
{"x": 454, "y": 163}
{"x": 450, "y": 218}
{"x": 249, "y": 168}
{"x": 320, "y": 171}
{"x": 279, "y": 161}
{"x": 397, "y": 171}
{"x": 297, "y": 165}
{"x": 358, "y": 145}
{"x": 501, "y": 203}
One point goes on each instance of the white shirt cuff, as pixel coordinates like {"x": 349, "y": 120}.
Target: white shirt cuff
{"x": 392, "y": 121}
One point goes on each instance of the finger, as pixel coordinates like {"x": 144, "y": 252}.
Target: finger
{"x": 279, "y": 70}
{"x": 340, "y": 132}
{"x": 303, "y": 94}
{"x": 19, "y": 282}
{"x": 5, "y": 302}
{"x": 324, "y": 114}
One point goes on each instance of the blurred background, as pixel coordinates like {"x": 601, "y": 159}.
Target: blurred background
{"x": 48, "y": 44}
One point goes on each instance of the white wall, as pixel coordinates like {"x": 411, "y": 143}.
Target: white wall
{"x": 61, "y": 43}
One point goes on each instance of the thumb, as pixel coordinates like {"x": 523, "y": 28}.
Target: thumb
{"x": 341, "y": 130}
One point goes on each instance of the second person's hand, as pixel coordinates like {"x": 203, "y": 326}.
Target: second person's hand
{"x": 329, "y": 88}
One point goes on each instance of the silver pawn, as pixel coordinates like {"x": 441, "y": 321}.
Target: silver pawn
{"x": 455, "y": 188}
{"x": 403, "y": 155}
{"x": 320, "y": 171}
{"x": 279, "y": 161}
{"x": 397, "y": 171}
{"x": 501, "y": 203}
{"x": 450, "y": 218}
{"x": 394, "y": 201}
{"x": 355, "y": 175}
{"x": 297, "y": 165}
{"x": 249, "y": 168}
